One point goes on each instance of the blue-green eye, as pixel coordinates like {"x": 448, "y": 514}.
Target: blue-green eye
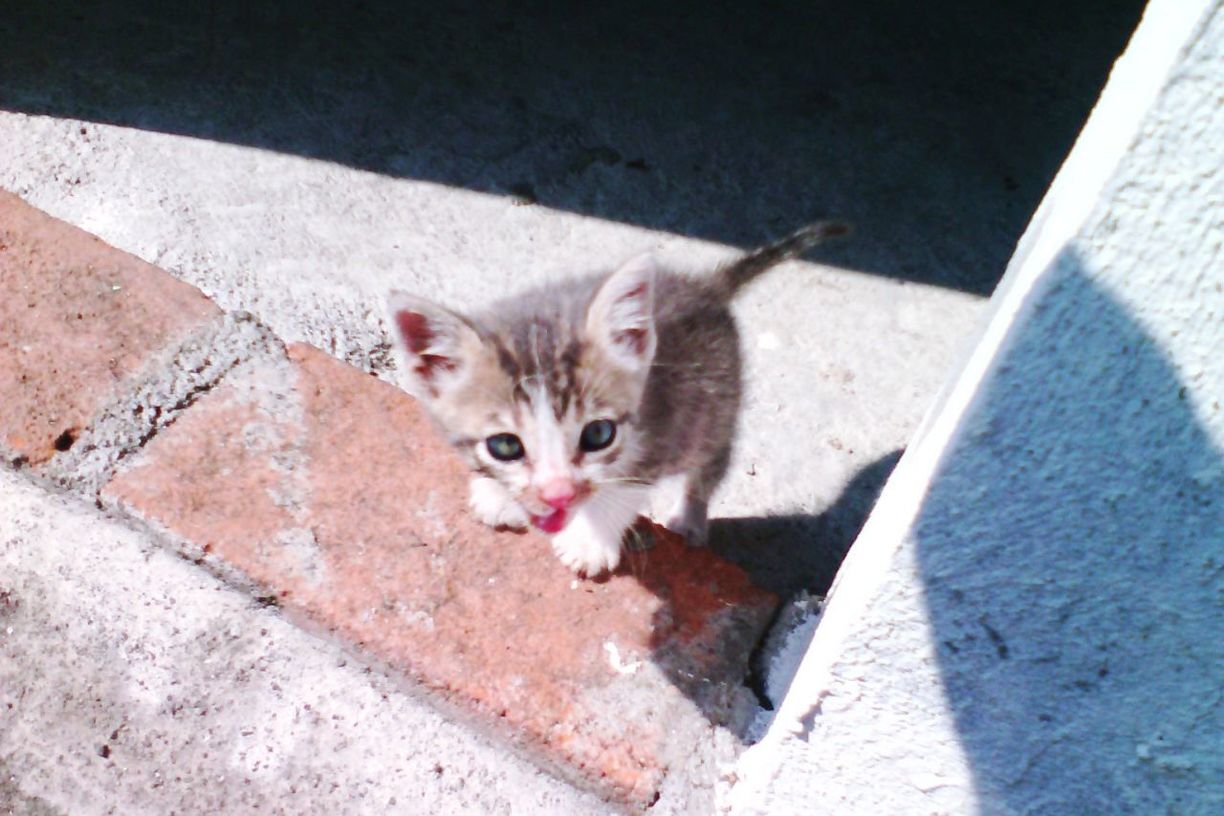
{"x": 597, "y": 435}
{"x": 505, "y": 447}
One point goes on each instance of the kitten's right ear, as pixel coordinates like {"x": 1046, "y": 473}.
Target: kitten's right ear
{"x": 435, "y": 343}
{"x": 621, "y": 316}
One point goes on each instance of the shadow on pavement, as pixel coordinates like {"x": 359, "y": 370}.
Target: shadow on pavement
{"x": 789, "y": 553}
{"x": 782, "y": 555}
{"x": 934, "y": 127}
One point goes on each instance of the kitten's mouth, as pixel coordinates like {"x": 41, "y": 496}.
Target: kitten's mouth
{"x": 553, "y": 522}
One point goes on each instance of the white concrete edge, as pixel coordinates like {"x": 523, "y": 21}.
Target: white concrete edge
{"x": 1136, "y": 80}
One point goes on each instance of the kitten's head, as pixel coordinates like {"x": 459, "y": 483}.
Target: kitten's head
{"x": 546, "y": 401}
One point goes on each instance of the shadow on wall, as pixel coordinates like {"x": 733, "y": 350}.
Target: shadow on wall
{"x": 935, "y": 127}
{"x": 1073, "y": 563}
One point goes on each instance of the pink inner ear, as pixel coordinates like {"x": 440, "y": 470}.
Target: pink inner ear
{"x": 629, "y": 303}
{"x": 635, "y": 293}
{"x": 632, "y": 339}
{"x": 431, "y": 364}
{"x": 414, "y": 328}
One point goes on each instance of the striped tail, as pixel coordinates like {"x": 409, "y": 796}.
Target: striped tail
{"x": 734, "y": 276}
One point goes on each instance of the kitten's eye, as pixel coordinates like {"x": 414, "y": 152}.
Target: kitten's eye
{"x": 505, "y": 447}
{"x": 597, "y": 435}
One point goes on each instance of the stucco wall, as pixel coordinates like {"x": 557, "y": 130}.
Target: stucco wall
{"x": 1032, "y": 620}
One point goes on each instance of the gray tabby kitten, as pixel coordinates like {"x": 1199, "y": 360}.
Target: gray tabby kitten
{"x": 570, "y": 403}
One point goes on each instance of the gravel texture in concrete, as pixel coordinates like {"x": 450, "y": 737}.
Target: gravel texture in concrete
{"x": 132, "y": 681}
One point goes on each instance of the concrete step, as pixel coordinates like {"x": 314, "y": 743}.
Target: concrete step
{"x": 294, "y": 165}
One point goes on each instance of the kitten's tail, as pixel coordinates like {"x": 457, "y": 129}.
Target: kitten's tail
{"x": 734, "y": 276}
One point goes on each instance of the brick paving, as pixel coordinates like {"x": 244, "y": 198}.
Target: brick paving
{"x": 79, "y": 320}
{"x": 326, "y": 491}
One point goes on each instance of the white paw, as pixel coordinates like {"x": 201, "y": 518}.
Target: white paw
{"x": 494, "y": 506}
{"x": 586, "y": 551}
{"x": 591, "y": 543}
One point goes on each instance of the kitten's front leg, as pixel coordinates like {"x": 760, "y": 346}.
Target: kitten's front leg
{"x": 493, "y": 504}
{"x": 591, "y": 541}
{"x": 689, "y": 517}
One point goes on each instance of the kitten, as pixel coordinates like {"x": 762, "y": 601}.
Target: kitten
{"x": 570, "y": 402}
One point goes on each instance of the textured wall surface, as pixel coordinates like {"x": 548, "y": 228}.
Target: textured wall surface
{"x": 1033, "y": 619}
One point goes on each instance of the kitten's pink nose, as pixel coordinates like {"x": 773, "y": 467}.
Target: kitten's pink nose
{"x": 559, "y": 493}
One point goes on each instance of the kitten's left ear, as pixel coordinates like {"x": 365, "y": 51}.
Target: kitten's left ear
{"x": 621, "y": 317}
{"x": 436, "y": 343}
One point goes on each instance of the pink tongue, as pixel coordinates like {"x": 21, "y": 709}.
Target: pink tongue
{"x": 552, "y": 523}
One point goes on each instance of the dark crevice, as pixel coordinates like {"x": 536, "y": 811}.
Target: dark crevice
{"x": 758, "y": 662}
{"x": 65, "y": 440}
{"x": 935, "y": 127}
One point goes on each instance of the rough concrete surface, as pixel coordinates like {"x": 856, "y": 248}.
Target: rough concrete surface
{"x": 297, "y": 162}
{"x": 132, "y": 681}
{"x": 1031, "y": 620}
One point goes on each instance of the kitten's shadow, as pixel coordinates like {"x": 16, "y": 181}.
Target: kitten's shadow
{"x": 783, "y": 554}
{"x": 788, "y": 553}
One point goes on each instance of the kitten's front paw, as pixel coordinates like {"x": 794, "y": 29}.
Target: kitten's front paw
{"x": 494, "y": 506}
{"x": 587, "y": 551}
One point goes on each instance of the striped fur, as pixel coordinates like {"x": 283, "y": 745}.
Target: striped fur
{"x": 654, "y": 351}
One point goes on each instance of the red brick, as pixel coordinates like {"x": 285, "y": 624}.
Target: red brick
{"x": 331, "y": 490}
{"x": 79, "y": 319}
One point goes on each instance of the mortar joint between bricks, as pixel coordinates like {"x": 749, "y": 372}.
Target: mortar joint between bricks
{"x": 170, "y": 384}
